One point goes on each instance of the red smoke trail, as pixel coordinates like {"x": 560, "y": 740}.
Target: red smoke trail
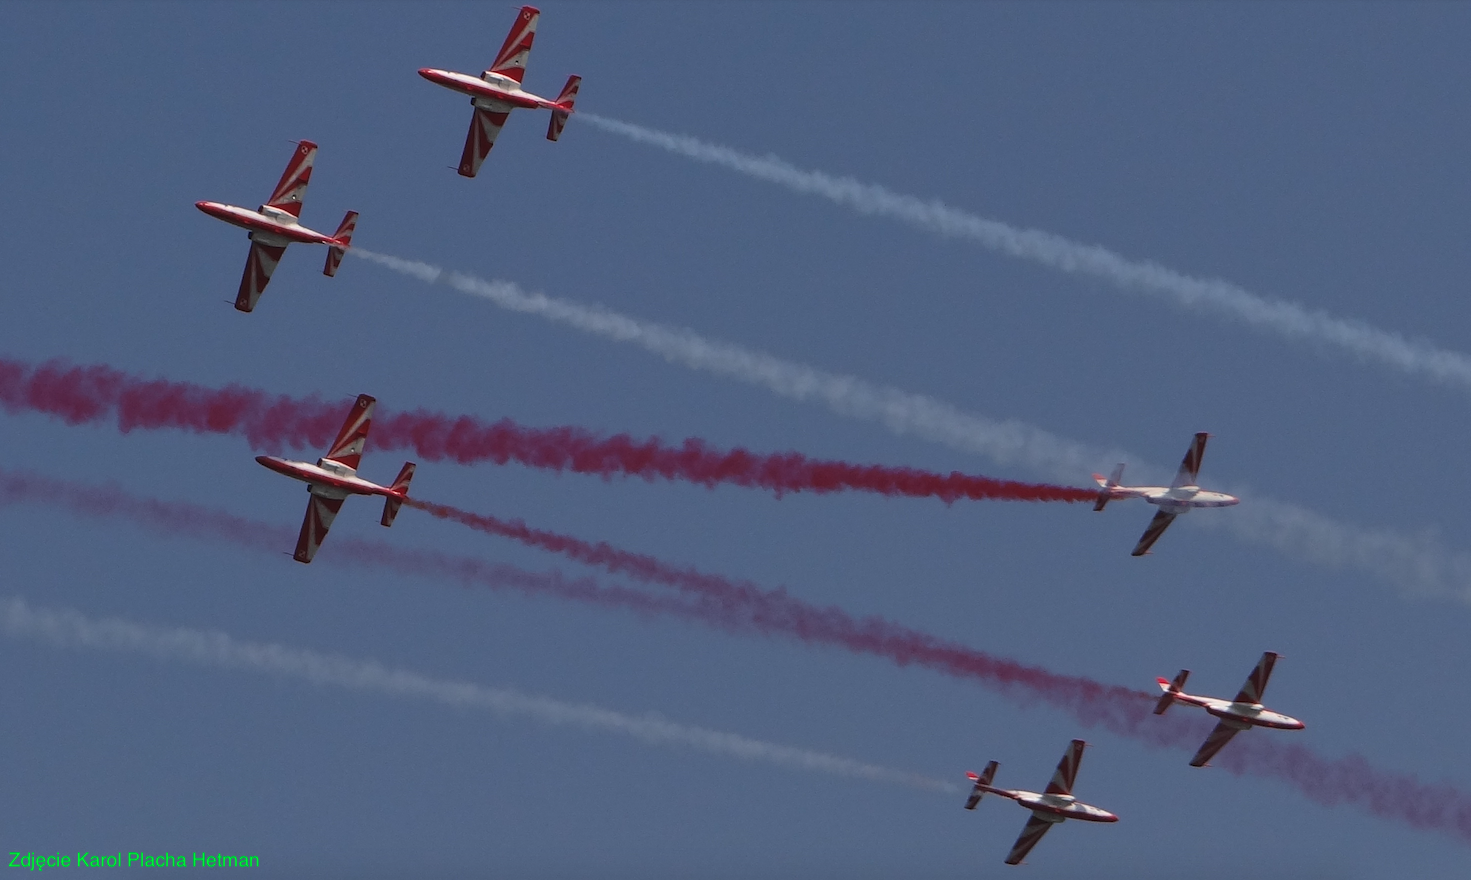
{"x": 745, "y": 608}
{"x": 1351, "y": 780}
{"x": 97, "y": 394}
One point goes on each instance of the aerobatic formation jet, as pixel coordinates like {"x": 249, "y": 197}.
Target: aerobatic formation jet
{"x": 1049, "y": 808}
{"x": 276, "y": 224}
{"x": 497, "y": 91}
{"x": 1236, "y": 715}
{"x": 335, "y": 476}
{"x": 1179, "y": 497}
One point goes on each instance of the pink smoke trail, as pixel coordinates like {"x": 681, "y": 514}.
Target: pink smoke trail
{"x": 1120, "y": 710}
{"x": 99, "y": 394}
{"x": 182, "y": 519}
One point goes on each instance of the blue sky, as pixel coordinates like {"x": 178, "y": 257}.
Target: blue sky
{"x": 1308, "y": 152}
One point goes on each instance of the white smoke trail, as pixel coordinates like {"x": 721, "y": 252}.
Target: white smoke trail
{"x": 1417, "y": 565}
{"x": 1008, "y": 442}
{"x": 1287, "y": 319}
{"x": 70, "y": 629}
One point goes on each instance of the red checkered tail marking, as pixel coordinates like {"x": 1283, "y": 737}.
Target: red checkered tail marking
{"x": 343, "y": 236}
{"x": 400, "y": 485}
{"x": 564, "y": 107}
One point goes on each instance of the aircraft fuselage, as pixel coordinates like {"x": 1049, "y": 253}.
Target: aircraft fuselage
{"x": 1055, "y": 807}
{"x": 326, "y": 478}
{"x": 1249, "y": 714}
{"x": 1177, "y": 500}
{"x": 269, "y": 226}
{"x": 490, "y": 87}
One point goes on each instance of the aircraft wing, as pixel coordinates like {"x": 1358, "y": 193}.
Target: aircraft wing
{"x": 1067, "y": 769}
{"x": 1256, "y": 683}
{"x": 485, "y": 125}
{"x": 1190, "y": 467}
{"x": 348, "y": 447}
{"x": 1032, "y": 833}
{"x": 290, "y": 192}
{"x": 1157, "y": 526}
{"x": 258, "y": 268}
{"x": 510, "y": 61}
{"x": 319, "y": 515}
{"x": 1219, "y": 736}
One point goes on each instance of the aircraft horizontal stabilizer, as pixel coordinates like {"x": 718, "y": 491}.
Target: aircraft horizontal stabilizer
{"x": 391, "y": 505}
{"x": 1104, "y": 494}
{"x": 981, "y": 782}
{"x": 336, "y": 252}
{"x": 1170, "y": 688}
{"x": 565, "y": 100}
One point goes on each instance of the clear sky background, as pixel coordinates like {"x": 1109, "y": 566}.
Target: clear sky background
{"x": 1313, "y": 152}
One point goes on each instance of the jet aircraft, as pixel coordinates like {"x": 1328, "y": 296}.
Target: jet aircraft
{"x": 1049, "y": 808}
{"x": 1181, "y": 495}
{"x": 497, "y": 91}
{"x": 276, "y": 224}
{"x": 335, "y": 476}
{"x": 1236, "y": 715}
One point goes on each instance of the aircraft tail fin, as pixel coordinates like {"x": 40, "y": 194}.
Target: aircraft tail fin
{"x": 564, "y": 107}
{"x": 1106, "y": 485}
{"x": 982, "y": 782}
{"x": 336, "y": 252}
{"x": 391, "y": 505}
{"x": 1170, "y": 688}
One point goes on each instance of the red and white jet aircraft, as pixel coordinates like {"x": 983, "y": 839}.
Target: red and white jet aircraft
{"x": 1050, "y": 807}
{"x": 1236, "y": 715}
{"x": 497, "y": 91}
{"x": 275, "y": 225}
{"x": 1179, "y": 497}
{"x": 335, "y": 476}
